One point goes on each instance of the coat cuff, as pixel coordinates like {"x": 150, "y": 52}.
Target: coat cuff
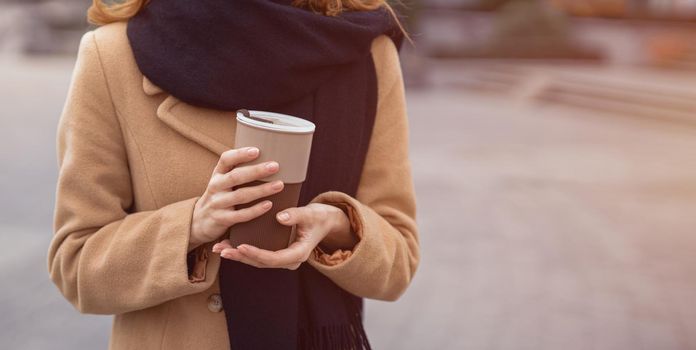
{"x": 197, "y": 261}
{"x": 350, "y": 207}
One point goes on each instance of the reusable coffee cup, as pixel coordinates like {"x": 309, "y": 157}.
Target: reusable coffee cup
{"x": 287, "y": 140}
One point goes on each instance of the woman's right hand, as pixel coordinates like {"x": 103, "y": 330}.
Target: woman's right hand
{"x": 214, "y": 211}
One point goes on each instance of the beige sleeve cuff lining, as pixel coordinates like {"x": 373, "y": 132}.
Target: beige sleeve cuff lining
{"x": 356, "y": 226}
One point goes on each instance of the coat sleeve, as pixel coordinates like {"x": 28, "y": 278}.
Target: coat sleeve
{"x": 104, "y": 258}
{"x": 383, "y": 212}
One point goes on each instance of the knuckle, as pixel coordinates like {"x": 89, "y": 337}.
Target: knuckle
{"x": 252, "y": 193}
{"x": 249, "y": 213}
{"x": 235, "y": 196}
{"x": 228, "y": 154}
{"x": 257, "y": 192}
{"x": 228, "y": 157}
{"x": 243, "y": 215}
{"x": 259, "y": 207}
{"x": 232, "y": 177}
{"x": 261, "y": 168}
{"x": 260, "y": 195}
{"x": 215, "y": 201}
{"x": 214, "y": 183}
{"x": 270, "y": 187}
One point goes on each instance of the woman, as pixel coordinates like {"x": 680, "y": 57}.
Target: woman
{"x": 145, "y": 197}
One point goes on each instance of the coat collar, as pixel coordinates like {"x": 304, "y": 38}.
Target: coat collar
{"x": 212, "y": 129}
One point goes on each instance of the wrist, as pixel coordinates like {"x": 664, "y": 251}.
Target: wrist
{"x": 194, "y": 230}
{"x": 341, "y": 235}
{"x": 193, "y": 244}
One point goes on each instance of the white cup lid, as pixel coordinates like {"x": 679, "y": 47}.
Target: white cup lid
{"x": 276, "y": 121}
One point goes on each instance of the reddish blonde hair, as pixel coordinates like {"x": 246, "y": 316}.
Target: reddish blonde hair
{"x": 100, "y": 13}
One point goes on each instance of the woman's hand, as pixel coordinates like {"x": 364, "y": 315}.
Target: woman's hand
{"x": 316, "y": 223}
{"x": 214, "y": 211}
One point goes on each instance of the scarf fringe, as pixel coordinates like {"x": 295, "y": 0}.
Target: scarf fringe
{"x": 349, "y": 336}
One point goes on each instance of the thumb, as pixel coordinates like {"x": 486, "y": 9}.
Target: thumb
{"x": 291, "y": 216}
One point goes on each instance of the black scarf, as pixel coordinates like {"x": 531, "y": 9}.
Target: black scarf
{"x": 269, "y": 55}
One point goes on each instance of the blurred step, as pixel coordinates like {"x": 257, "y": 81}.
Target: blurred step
{"x": 627, "y": 98}
{"x": 488, "y": 78}
{"x": 687, "y": 61}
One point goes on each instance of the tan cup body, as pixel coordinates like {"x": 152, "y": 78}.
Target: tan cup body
{"x": 288, "y": 141}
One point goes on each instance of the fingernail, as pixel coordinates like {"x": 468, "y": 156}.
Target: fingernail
{"x": 277, "y": 185}
{"x": 216, "y": 248}
{"x": 267, "y": 205}
{"x": 283, "y": 216}
{"x": 272, "y": 166}
{"x": 252, "y": 151}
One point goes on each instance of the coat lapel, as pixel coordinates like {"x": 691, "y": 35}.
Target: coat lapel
{"x": 212, "y": 129}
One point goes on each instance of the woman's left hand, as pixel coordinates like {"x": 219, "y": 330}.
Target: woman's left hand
{"x": 316, "y": 222}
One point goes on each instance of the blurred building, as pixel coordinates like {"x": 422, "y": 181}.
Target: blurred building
{"x": 41, "y": 26}
{"x": 628, "y": 8}
{"x": 656, "y": 32}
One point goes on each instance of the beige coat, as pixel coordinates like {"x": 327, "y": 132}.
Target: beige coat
{"x": 133, "y": 160}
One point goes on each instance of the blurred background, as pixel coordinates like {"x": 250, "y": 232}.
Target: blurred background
{"x": 553, "y": 145}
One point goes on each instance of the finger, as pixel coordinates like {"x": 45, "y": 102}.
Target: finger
{"x": 294, "y": 254}
{"x": 230, "y": 158}
{"x": 218, "y": 247}
{"x": 243, "y": 174}
{"x": 234, "y": 254}
{"x": 226, "y": 199}
{"x": 232, "y": 217}
{"x": 295, "y": 215}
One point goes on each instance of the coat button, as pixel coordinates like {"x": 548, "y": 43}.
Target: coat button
{"x": 215, "y": 303}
